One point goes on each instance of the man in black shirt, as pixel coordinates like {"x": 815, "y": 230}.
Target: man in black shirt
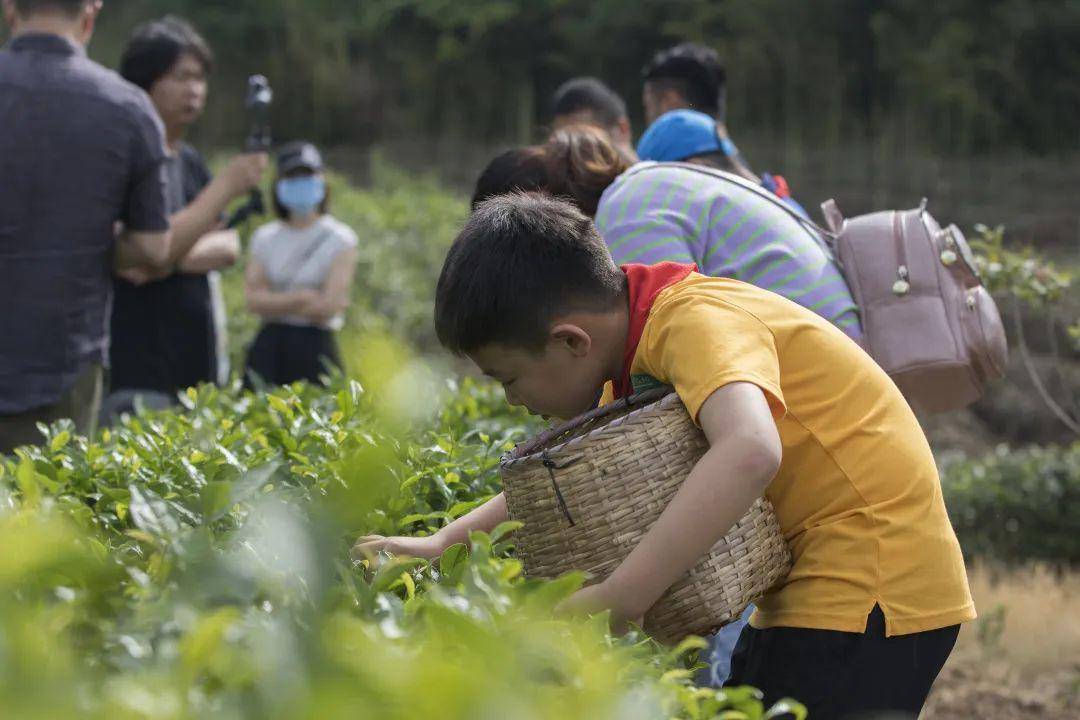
{"x": 167, "y": 325}
{"x": 80, "y": 151}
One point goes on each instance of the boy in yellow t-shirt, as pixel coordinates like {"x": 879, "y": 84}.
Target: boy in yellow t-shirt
{"x": 791, "y": 407}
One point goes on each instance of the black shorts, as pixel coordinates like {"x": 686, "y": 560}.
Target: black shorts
{"x": 841, "y": 675}
{"x": 283, "y": 354}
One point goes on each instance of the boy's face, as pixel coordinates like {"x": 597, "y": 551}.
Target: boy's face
{"x": 562, "y": 381}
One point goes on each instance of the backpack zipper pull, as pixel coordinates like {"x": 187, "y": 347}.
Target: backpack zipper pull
{"x": 948, "y": 254}
{"x": 901, "y": 286}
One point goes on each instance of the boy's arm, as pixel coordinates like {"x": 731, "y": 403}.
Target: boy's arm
{"x": 486, "y": 518}
{"x": 744, "y": 456}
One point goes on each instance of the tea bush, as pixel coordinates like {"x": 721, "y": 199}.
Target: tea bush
{"x": 1016, "y": 504}
{"x": 195, "y": 564}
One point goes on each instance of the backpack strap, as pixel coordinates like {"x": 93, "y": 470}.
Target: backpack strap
{"x": 825, "y": 238}
{"x": 301, "y": 259}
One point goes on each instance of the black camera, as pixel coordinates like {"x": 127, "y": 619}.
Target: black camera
{"x": 259, "y": 98}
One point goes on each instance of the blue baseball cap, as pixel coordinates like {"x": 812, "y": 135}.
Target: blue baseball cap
{"x": 681, "y": 134}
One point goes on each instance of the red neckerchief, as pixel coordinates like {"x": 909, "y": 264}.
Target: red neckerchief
{"x": 645, "y": 282}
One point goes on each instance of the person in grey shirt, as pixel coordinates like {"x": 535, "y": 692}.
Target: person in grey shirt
{"x": 299, "y": 275}
{"x": 81, "y": 155}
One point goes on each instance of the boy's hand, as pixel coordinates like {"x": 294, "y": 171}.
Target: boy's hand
{"x": 599, "y": 597}
{"x": 420, "y": 547}
{"x": 486, "y": 518}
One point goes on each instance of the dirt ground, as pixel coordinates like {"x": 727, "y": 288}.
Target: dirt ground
{"x": 972, "y": 687}
{"x": 1021, "y": 659}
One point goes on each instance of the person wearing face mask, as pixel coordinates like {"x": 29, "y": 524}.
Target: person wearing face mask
{"x": 299, "y": 275}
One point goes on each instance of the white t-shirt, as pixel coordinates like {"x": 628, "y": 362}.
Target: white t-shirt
{"x": 302, "y": 259}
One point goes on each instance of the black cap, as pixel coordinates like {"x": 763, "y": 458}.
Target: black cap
{"x": 297, "y": 155}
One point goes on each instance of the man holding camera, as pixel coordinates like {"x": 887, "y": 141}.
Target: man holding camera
{"x": 81, "y": 151}
{"x": 168, "y": 329}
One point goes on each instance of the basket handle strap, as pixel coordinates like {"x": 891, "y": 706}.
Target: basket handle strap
{"x": 552, "y": 466}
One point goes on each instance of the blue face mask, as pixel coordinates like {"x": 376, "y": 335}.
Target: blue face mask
{"x": 301, "y": 196}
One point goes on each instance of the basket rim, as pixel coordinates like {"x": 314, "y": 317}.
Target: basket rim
{"x": 537, "y": 446}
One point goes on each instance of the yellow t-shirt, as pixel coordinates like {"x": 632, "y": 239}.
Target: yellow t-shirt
{"x": 858, "y": 495}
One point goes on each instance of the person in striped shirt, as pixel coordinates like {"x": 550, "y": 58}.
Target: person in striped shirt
{"x": 692, "y": 136}
{"x": 680, "y": 212}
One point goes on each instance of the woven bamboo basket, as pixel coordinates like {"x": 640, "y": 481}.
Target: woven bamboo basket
{"x": 587, "y": 492}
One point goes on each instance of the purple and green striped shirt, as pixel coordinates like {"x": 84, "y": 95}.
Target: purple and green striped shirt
{"x": 657, "y": 212}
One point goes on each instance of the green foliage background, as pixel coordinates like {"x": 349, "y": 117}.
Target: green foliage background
{"x": 194, "y": 564}
{"x": 958, "y": 76}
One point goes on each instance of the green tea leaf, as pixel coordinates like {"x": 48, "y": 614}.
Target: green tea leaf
{"x": 60, "y": 440}
{"x": 453, "y": 561}
{"x": 505, "y": 528}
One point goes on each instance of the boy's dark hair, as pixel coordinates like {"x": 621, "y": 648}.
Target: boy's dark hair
{"x": 592, "y": 95}
{"x": 694, "y": 71}
{"x": 577, "y": 164}
{"x": 156, "y": 46}
{"x": 521, "y": 261}
{"x": 70, "y": 7}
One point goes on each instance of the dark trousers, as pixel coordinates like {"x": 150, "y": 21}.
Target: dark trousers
{"x": 282, "y": 354}
{"x": 80, "y": 403}
{"x": 839, "y": 675}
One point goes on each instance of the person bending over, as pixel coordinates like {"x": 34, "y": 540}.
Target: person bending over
{"x": 694, "y": 137}
{"x": 791, "y": 408}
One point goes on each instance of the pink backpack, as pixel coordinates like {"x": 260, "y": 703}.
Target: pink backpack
{"x": 926, "y": 317}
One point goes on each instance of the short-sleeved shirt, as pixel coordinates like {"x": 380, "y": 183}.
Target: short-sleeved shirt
{"x": 80, "y": 149}
{"x": 302, "y": 259}
{"x": 857, "y": 495}
{"x": 661, "y": 212}
{"x": 164, "y": 333}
